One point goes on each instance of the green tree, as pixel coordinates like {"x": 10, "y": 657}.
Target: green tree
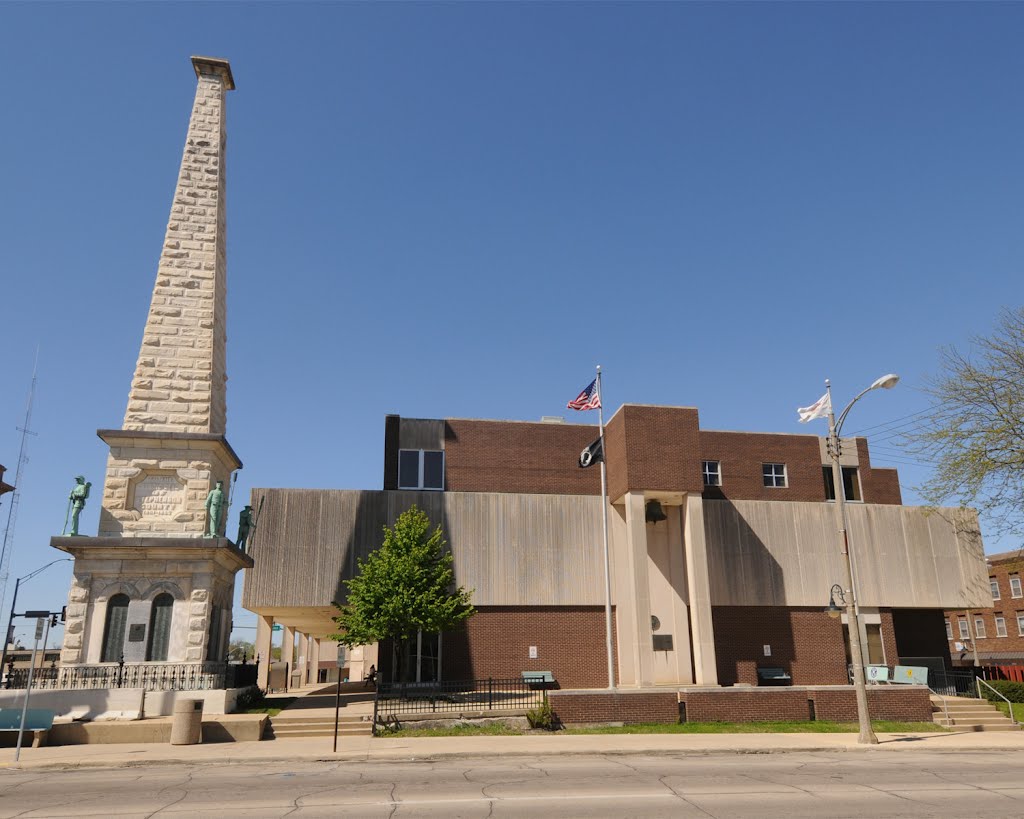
{"x": 403, "y": 587}
{"x": 974, "y": 429}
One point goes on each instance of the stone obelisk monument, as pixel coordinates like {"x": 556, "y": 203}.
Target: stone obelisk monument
{"x": 157, "y": 583}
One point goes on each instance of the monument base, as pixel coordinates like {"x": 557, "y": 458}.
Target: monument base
{"x": 159, "y": 599}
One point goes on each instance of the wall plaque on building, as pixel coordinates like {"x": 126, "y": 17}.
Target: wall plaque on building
{"x": 662, "y": 642}
{"x": 159, "y": 496}
{"x": 136, "y": 632}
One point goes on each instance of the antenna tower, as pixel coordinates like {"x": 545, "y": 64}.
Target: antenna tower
{"x": 12, "y": 510}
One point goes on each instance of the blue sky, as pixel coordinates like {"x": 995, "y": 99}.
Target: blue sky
{"x": 457, "y": 210}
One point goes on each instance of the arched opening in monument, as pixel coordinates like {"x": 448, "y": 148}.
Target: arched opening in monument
{"x": 113, "y": 630}
{"x": 159, "y": 628}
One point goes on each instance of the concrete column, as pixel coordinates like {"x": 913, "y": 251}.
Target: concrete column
{"x": 314, "y": 660}
{"x": 698, "y": 578}
{"x": 288, "y": 647}
{"x": 302, "y": 661}
{"x": 264, "y": 630}
{"x": 634, "y": 604}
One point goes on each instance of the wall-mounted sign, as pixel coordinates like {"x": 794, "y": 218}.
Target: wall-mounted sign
{"x": 533, "y": 652}
{"x": 662, "y": 642}
{"x": 767, "y": 651}
{"x": 136, "y": 632}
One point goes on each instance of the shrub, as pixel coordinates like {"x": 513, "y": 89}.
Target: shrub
{"x": 1013, "y": 691}
{"x": 543, "y": 717}
{"x": 250, "y": 697}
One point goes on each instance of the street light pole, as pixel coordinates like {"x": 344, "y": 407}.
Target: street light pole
{"x": 867, "y": 735}
{"x": 14, "y": 602}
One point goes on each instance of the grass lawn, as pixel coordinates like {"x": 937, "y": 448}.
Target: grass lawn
{"x": 820, "y": 727}
{"x": 271, "y": 707}
{"x": 1018, "y": 709}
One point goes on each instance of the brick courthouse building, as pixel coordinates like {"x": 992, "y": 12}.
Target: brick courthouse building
{"x": 733, "y": 577}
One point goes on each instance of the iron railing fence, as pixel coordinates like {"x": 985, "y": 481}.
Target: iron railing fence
{"x": 944, "y": 681}
{"x": 395, "y": 699}
{"x": 151, "y": 676}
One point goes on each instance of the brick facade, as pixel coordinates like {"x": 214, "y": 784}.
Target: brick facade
{"x": 647, "y": 448}
{"x": 655, "y": 448}
{"x": 839, "y": 704}
{"x": 507, "y": 456}
{"x": 993, "y": 649}
{"x": 619, "y": 706}
{"x": 806, "y": 642}
{"x": 495, "y": 642}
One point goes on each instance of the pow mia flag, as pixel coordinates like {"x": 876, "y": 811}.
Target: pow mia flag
{"x": 593, "y": 454}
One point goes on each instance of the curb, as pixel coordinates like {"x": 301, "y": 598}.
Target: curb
{"x": 409, "y": 756}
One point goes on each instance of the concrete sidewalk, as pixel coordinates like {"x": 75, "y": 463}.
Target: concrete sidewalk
{"x": 393, "y": 749}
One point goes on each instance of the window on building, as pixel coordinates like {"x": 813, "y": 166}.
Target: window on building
{"x": 159, "y": 628}
{"x": 851, "y": 483}
{"x": 1020, "y": 623}
{"x": 712, "y": 473}
{"x": 965, "y": 633}
{"x": 113, "y": 630}
{"x": 420, "y": 469}
{"x": 979, "y": 628}
{"x": 949, "y": 630}
{"x": 1000, "y": 626}
{"x": 995, "y": 587}
{"x": 1015, "y": 585}
{"x": 774, "y": 475}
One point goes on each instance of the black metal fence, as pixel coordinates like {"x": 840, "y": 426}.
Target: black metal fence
{"x": 448, "y": 696}
{"x": 152, "y": 677}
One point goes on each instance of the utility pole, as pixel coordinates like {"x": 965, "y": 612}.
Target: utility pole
{"x": 7, "y": 545}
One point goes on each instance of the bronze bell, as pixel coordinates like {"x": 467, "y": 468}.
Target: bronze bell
{"x": 653, "y": 512}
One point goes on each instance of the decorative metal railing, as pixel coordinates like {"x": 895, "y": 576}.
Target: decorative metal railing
{"x": 394, "y": 700}
{"x": 151, "y": 676}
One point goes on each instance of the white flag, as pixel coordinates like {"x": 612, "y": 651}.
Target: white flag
{"x": 819, "y": 409}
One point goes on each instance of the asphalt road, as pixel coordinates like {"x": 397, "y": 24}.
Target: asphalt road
{"x": 871, "y": 784}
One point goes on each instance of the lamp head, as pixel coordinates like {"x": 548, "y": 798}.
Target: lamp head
{"x": 886, "y": 382}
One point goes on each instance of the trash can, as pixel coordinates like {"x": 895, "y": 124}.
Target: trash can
{"x": 187, "y": 723}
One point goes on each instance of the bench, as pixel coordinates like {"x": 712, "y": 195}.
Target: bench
{"x": 773, "y": 676}
{"x": 538, "y": 678}
{"x": 38, "y": 722}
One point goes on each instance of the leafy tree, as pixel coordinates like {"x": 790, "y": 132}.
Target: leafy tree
{"x": 974, "y": 430}
{"x": 403, "y": 587}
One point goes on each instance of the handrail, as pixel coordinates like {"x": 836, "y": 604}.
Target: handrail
{"x": 945, "y": 706}
{"x": 1009, "y": 705}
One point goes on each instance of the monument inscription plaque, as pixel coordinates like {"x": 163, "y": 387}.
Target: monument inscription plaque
{"x": 159, "y": 496}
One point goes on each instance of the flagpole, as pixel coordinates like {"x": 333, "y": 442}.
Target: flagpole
{"x": 604, "y": 526}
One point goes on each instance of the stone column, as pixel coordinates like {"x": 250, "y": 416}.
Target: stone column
{"x": 264, "y": 630}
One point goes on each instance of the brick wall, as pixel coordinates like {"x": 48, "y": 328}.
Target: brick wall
{"x": 1007, "y": 607}
{"x": 654, "y": 448}
{"x": 495, "y": 642}
{"x": 878, "y": 485}
{"x": 507, "y": 456}
{"x": 839, "y": 704}
{"x": 806, "y": 642}
{"x": 619, "y": 706}
{"x": 742, "y": 454}
{"x": 892, "y": 653}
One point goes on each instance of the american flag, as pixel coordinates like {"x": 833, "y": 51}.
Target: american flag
{"x": 589, "y": 399}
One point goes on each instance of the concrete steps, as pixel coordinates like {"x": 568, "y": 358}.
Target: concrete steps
{"x": 282, "y": 727}
{"x": 969, "y": 715}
